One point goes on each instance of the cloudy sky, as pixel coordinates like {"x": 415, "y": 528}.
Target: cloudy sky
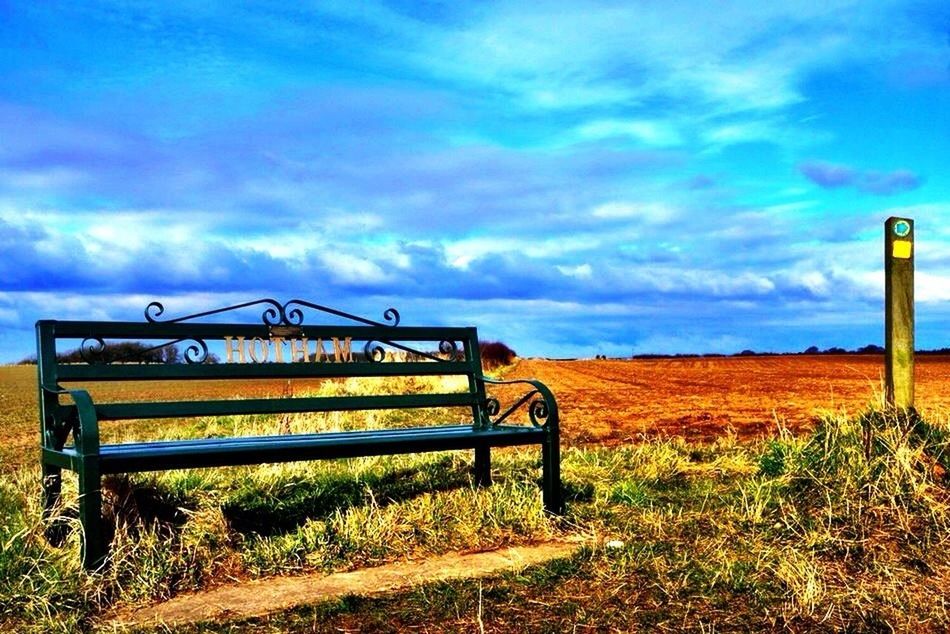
{"x": 573, "y": 178}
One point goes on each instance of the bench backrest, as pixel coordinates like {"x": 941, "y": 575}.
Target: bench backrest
{"x": 280, "y": 347}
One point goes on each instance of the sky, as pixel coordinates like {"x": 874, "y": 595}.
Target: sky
{"x": 574, "y": 178}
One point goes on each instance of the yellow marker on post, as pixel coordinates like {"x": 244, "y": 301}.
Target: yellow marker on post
{"x": 902, "y": 249}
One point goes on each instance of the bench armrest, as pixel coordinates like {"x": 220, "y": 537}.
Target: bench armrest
{"x": 86, "y": 428}
{"x": 542, "y": 411}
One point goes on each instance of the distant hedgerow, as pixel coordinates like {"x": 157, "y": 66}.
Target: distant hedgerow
{"x": 495, "y": 354}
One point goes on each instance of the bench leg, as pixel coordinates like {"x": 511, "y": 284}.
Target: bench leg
{"x": 551, "y": 475}
{"x": 52, "y": 490}
{"x": 483, "y": 466}
{"x": 90, "y": 515}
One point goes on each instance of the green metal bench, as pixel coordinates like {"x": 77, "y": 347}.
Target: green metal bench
{"x": 279, "y": 346}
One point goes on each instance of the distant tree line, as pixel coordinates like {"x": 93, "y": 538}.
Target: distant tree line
{"x": 123, "y": 351}
{"x": 868, "y": 349}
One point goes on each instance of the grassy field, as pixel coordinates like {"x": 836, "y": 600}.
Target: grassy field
{"x": 843, "y": 527}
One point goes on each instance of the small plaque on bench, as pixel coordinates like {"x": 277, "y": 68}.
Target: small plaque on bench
{"x": 286, "y": 331}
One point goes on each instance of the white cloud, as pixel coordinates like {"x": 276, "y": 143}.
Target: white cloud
{"x": 735, "y": 57}
{"x": 740, "y": 132}
{"x": 654, "y": 213}
{"x": 341, "y": 220}
{"x": 652, "y": 133}
{"x": 45, "y": 178}
{"x": 932, "y": 287}
{"x": 347, "y": 269}
{"x": 581, "y": 271}
{"x": 461, "y": 253}
{"x": 815, "y": 281}
{"x": 10, "y": 317}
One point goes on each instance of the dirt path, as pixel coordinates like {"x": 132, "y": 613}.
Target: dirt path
{"x": 258, "y": 598}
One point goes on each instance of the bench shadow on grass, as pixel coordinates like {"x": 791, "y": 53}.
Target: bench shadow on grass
{"x": 138, "y": 505}
{"x": 290, "y": 504}
{"x": 285, "y": 506}
{"x": 250, "y": 511}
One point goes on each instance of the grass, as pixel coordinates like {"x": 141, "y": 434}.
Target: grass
{"x": 843, "y": 529}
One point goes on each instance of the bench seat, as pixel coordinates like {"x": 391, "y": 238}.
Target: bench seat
{"x": 219, "y": 452}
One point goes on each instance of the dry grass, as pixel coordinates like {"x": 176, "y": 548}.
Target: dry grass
{"x": 843, "y": 528}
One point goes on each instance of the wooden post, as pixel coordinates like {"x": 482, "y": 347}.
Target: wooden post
{"x": 899, "y": 312}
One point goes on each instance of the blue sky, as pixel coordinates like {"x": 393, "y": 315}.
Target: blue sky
{"x": 573, "y": 178}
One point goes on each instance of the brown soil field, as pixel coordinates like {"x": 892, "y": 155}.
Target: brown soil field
{"x": 600, "y": 401}
{"x": 701, "y": 398}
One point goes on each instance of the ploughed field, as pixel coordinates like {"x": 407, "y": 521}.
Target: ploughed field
{"x": 606, "y": 401}
{"x": 702, "y": 398}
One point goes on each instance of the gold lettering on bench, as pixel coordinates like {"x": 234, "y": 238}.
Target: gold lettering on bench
{"x": 264, "y": 349}
{"x": 278, "y": 343}
{"x": 298, "y": 350}
{"x": 230, "y": 349}
{"x": 342, "y": 353}
{"x": 258, "y": 350}
{"x": 319, "y": 354}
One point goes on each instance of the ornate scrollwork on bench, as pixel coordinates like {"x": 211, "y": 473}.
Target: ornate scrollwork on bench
{"x": 540, "y": 402}
{"x": 287, "y": 319}
{"x": 374, "y": 352}
{"x": 92, "y": 350}
{"x": 95, "y": 351}
{"x": 276, "y": 314}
